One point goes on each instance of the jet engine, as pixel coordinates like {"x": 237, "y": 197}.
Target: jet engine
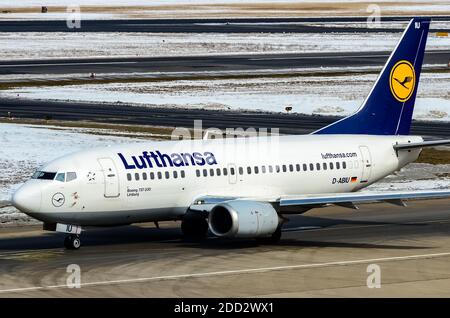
{"x": 243, "y": 219}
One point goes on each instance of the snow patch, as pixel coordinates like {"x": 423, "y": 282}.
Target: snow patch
{"x": 332, "y": 95}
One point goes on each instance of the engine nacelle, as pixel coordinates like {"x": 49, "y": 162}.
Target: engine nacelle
{"x": 243, "y": 219}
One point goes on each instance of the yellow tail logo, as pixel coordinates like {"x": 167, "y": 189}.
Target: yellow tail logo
{"x": 402, "y": 80}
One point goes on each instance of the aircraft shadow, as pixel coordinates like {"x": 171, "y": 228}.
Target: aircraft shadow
{"x": 133, "y": 234}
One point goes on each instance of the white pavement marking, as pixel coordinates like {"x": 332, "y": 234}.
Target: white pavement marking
{"x": 233, "y": 272}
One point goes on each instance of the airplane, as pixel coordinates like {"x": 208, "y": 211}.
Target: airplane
{"x": 242, "y": 187}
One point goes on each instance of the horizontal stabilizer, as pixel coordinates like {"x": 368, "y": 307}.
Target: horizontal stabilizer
{"x": 423, "y": 144}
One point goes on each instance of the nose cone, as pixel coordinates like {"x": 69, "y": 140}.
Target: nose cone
{"x": 27, "y": 198}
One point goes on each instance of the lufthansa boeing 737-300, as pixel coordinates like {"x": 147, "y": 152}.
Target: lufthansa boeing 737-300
{"x": 241, "y": 187}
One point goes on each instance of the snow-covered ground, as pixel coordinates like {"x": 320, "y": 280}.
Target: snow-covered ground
{"x": 24, "y": 148}
{"x": 416, "y": 176}
{"x": 325, "y": 95}
{"x": 35, "y": 45}
{"x": 217, "y": 8}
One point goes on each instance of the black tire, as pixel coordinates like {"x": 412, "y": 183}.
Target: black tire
{"x": 194, "y": 228}
{"x": 72, "y": 242}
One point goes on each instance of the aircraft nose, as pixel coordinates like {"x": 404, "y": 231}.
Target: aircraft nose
{"x": 27, "y": 198}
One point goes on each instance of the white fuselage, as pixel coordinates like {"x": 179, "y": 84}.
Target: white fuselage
{"x": 111, "y": 189}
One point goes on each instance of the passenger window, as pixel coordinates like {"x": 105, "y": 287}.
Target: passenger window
{"x": 144, "y": 176}
{"x": 249, "y": 170}
{"x": 232, "y": 171}
{"x": 297, "y": 167}
{"x": 205, "y": 172}
{"x": 175, "y": 174}
{"x": 263, "y": 169}
{"x": 344, "y": 165}
{"x": 305, "y": 167}
{"x": 218, "y": 172}
{"x": 211, "y": 172}
{"x": 318, "y": 166}
{"x": 324, "y": 166}
{"x": 60, "y": 177}
{"x": 277, "y": 169}
{"x": 197, "y": 172}
{"x": 225, "y": 171}
{"x": 311, "y": 167}
{"x": 284, "y": 168}
{"x": 270, "y": 169}
{"x": 338, "y": 166}
{"x": 182, "y": 174}
{"x": 136, "y": 176}
{"x": 241, "y": 170}
{"x": 129, "y": 176}
{"x": 167, "y": 174}
{"x": 159, "y": 175}
{"x": 256, "y": 170}
{"x": 152, "y": 175}
{"x": 291, "y": 168}
{"x": 331, "y": 166}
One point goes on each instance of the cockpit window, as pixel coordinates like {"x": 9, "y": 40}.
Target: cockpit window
{"x": 60, "y": 177}
{"x": 44, "y": 175}
{"x": 71, "y": 176}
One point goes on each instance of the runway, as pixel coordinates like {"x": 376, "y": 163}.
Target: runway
{"x": 178, "y": 117}
{"x": 325, "y": 252}
{"x": 232, "y": 25}
{"x": 210, "y": 63}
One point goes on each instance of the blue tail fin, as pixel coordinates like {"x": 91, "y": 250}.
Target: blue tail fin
{"x": 389, "y": 107}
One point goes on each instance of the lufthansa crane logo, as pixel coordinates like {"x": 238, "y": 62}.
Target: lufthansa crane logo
{"x": 58, "y": 199}
{"x": 402, "y": 80}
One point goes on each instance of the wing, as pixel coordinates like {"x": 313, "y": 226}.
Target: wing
{"x": 352, "y": 199}
{"x": 349, "y": 200}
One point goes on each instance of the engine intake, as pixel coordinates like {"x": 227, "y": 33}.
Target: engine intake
{"x": 243, "y": 219}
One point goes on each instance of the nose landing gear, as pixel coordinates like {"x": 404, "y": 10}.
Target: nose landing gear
{"x": 72, "y": 242}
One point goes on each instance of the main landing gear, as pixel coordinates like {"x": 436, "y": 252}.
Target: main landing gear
{"x": 194, "y": 228}
{"x": 273, "y": 239}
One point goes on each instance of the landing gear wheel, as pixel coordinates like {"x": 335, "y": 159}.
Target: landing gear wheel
{"x": 273, "y": 239}
{"x": 72, "y": 242}
{"x": 194, "y": 228}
